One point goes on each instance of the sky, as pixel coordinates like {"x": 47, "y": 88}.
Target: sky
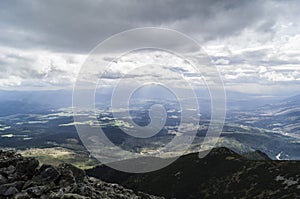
{"x": 254, "y": 44}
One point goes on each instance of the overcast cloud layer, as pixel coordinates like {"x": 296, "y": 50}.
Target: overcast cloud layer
{"x": 253, "y": 43}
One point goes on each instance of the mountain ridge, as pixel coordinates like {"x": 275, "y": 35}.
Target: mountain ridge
{"x": 221, "y": 174}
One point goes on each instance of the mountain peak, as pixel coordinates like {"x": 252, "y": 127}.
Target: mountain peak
{"x": 256, "y": 155}
{"x": 223, "y": 152}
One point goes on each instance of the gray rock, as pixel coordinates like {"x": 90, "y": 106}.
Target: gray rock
{"x": 27, "y": 167}
{"x": 11, "y": 191}
{"x": 49, "y": 173}
{"x": 4, "y": 187}
{"x": 37, "y": 191}
{"x": 22, "y": 195}
{"x": 8, "y": 158}
{"x": 73, "y": 196}
{"x": 20, "y": 178}
{"x": 57, "y": 194}
{"x": 3, "y": 179}
{"x": 77, "y": 173}
{"x": 8, "y": 170}
{"x": 66, "y": 178}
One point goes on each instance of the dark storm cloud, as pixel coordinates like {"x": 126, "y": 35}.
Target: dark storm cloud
{"x": 77, "y": 26}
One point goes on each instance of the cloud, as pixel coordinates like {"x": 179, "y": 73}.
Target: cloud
{"x": 78, "y": 26}
{"x": 44, "y": 43}
{"x": 37, "y": 68}
{"x": 270, "y": 62}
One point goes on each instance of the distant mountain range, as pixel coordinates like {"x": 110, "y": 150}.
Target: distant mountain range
{"x": 221, "y": 174}
{"x": 283, "y": 116}
{"x": 63, "y": 98}
{"x": 8, "y": 108}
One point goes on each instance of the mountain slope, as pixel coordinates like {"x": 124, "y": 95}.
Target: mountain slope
{"x": 221, "y": 174}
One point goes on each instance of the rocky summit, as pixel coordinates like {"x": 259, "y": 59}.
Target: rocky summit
{"x": 23, "y": 177}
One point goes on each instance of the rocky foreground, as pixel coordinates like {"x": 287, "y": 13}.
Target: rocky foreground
{"x": 23, "y": 178}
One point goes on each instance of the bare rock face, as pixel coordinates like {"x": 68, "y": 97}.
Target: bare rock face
{"x": 24, "y": 178}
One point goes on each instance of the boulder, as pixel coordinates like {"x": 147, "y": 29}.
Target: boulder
{"x": 22, "y": 195}
{"x": 11, "y": 191}
{"x": 37, "y": 191}
{"x": 5, "y": 187}
{"x": 27, "y": 167}
{"x": 48, "y": 173}
{"x": 77, "y": 173}
{"x": 3, "y": 179}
